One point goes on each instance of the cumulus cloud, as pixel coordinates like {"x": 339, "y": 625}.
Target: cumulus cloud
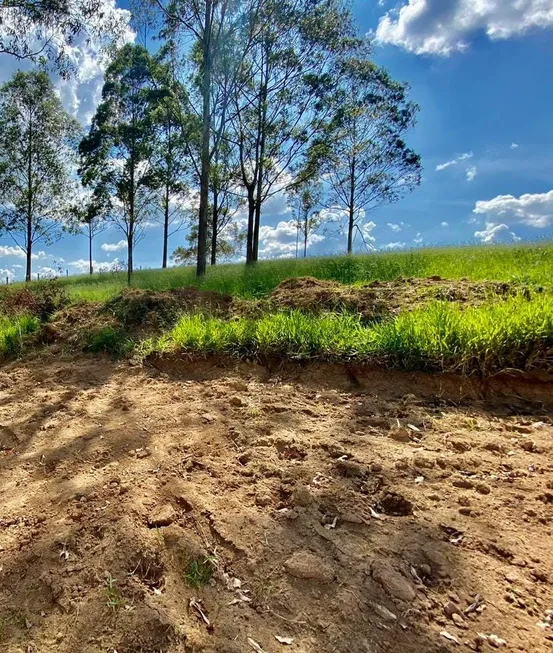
{"x": 418, "y": 239}
{"x": 394, "y": 246}
{"x": 532, "y": 210}
{"x": 280, "y": 241}
{"x": 8, "y": 250}
{"x": 394, "y": 227}
{"x": 440, "y": 28}
{"x": 115, "y": 247}
{"x": 454, "y": 162}
{"x": 494, "y": 233}
{"x": 514, "y": 146}
{"x": 80, "y": 93}
{"x": 444, "y": 224}
{"x": 7, "y": 273}
{"x": 471, "y": 173}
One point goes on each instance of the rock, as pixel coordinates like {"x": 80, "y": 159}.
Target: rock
{"x": 437, "y": 560}
{"x": 467, "y": 512}
{"x": 143, "y": 453}
{"x": 237, "y": 401}
{"x": 451, "y": 610}
{"x": 350, "y": 468}
{"x": 401, "y": 464}
{"x": 482, "y": 488}
{"x": 392, "y": 581}
{"x": 422, "y": 462}
{"x": 463, "y": 483}
{"x": 351, "y": 518}
{"x": 540, "y": 575}
{"x": 306, "y": 565}
{"x": 400, "y": 435}
{"x": 375, "y": 468}
{"x": 162, "y": 516}
{"x": 263, "y": 499}
{"x": 208, "y": 418}
{"x": 463, "y": 500}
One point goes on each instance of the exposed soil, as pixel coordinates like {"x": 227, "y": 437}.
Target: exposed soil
{"x": 381, "y": 298}
{"x": 344, "y": 517}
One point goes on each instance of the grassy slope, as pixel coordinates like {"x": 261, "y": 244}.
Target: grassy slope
{"x": 531, "y": 264}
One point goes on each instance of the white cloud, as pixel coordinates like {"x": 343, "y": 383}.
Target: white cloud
{"x": 394, "y": 227}
{"x": 280, "y": 241}
{"x": 418, "y": 239}
{"x": 454, "y": 162}
{"x": 532, "y": 210}
{"x": 440, "y": 28}
{"x": 8, "y": 250}
{"x": 80, "y": 93}
{"x": 444, "y": 224}
{"x": 394, "y": 246}
{"x": 494, "y": 233}
{"x": 6, "y": 273}
{"x": 471, "y": 173}
{"x": 115, "y": 247}
{"x": 514, "y": 146}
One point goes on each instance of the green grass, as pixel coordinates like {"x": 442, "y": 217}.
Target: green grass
{"x": 13, "y": 331}
{"x": 199, "y": 572}
{"x": 531, "y": 264}
{"x": 516, "y": 333}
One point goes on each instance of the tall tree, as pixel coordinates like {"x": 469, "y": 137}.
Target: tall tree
{"x": 89, "y": 217}
{"x": 278, "y": 107}
{"x": 175, "y": 129}
{"x": 303, "y": 200}
{"x": 363, "y": 154}
{"x": 37, "y": 142}
{"x": 46, "y": 29}
{"x": 116, "y": 155}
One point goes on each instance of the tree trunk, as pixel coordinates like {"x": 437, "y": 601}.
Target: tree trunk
{"x": 214, "y": 228}
{"x": 206, "y": 127}
{"x": 251, "y": 220}
{"x": 29, "y": 259}
{"x": 130, "y": 239}
{"x": 90, "y": 237}
{"x": 351, "y": 207}
{"x": 29, "y": 234}
{"x": 165, "y": 227}
{"x": 305, "y": 234}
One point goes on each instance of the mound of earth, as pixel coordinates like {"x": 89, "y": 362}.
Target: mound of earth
{"x": 380, "y": 298}
{"x": 232, "y": 512}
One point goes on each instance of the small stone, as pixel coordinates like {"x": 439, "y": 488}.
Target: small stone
{"x": 392, "y": 581}
{"x": 375, "y": 468}
{"x": 401, "y": 464}
{"x": 482, "y": 488}
{"x": 396, "y": 504}
{"x": 467, "y": 512}
{"x": 463, "y": 500}
{"x": 382, "y": 611}
{"x": 540, "y": 575}
{"x": 459, "y": 621}
{"x": 464, "y": 483}
{"x": 351, "y": 518}
{"x": 237, "y": 401}
{"x": 307, "y": 566}
{"x": 350, "y": 468}
{"x": 400, "y": 435}
{"x": 143, "y": 453}
{"x": 163, "y": 516}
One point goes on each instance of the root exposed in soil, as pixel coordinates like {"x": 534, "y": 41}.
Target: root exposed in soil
{"x": 343, "y": 517}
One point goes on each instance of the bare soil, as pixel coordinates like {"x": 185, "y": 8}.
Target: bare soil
{"x": 341, "y": 515}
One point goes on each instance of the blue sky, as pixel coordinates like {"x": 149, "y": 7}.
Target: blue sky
{"x": 481, "y": 73}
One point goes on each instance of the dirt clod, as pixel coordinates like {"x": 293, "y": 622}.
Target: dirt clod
{"x": 392, "y": 581}
{"x": 307, "y": 566}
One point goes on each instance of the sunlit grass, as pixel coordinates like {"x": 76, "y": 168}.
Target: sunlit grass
{"x": 529, "y": 264}
{"x": 13, "y": 331}
{"x": 516, "y": 333}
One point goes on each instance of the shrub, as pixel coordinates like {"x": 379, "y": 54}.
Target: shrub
{"x": 41, "y": 299}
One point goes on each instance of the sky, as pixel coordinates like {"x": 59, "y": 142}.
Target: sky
{"x": 480, "y": 71}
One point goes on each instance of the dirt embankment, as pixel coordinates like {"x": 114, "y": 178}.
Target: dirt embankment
{"x": 332, "y": 517}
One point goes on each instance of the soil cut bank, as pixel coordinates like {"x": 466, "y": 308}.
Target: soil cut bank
{"x": 241, "y": 511}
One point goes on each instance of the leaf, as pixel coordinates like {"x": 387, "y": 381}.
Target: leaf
{"x": 284, "y": 640}
{"x": 255, "y": 645}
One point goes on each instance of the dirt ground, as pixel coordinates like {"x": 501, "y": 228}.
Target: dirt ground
{"x": 339, "y": 515}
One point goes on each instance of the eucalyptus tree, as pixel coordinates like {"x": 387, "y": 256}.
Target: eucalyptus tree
{"x": 117, "y": 153}
{"x": 39, "y": 30}
{"x": 37, "y": 150}
{"x": 303, "y": 199}
{"x": 279, "y": 107}
{"x": 363, "y": 155}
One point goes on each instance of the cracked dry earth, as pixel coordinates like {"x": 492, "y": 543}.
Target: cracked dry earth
{"x": 359, "y": 519}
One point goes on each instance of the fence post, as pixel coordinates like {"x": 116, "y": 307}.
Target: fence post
{"x": 38, "y": 276}
{"x": 67, "y": 273}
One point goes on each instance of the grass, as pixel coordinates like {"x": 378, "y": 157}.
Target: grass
{"x": 13, "y": 331}
{"x": 114, "y": 599}
{"x": 199, "y": 572}
{"x": 528, "y": 264}
{"x": 516, "y": 333}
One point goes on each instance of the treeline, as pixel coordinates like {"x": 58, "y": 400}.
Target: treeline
{"x": 219, "y": 106}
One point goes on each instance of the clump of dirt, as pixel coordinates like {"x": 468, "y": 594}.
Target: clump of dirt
{"x": 154, "y": 309}
{"x": 382, "y": 298}
{"x": 213, "y": 511}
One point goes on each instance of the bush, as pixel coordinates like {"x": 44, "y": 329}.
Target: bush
{"x": 109, "y": 340}
{"x": 41, "y": 299}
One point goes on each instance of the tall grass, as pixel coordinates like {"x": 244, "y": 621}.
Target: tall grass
{"x": 514, "y": 334}
{"x": 532, "y": 264}
{"x": 13, "y": 331}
